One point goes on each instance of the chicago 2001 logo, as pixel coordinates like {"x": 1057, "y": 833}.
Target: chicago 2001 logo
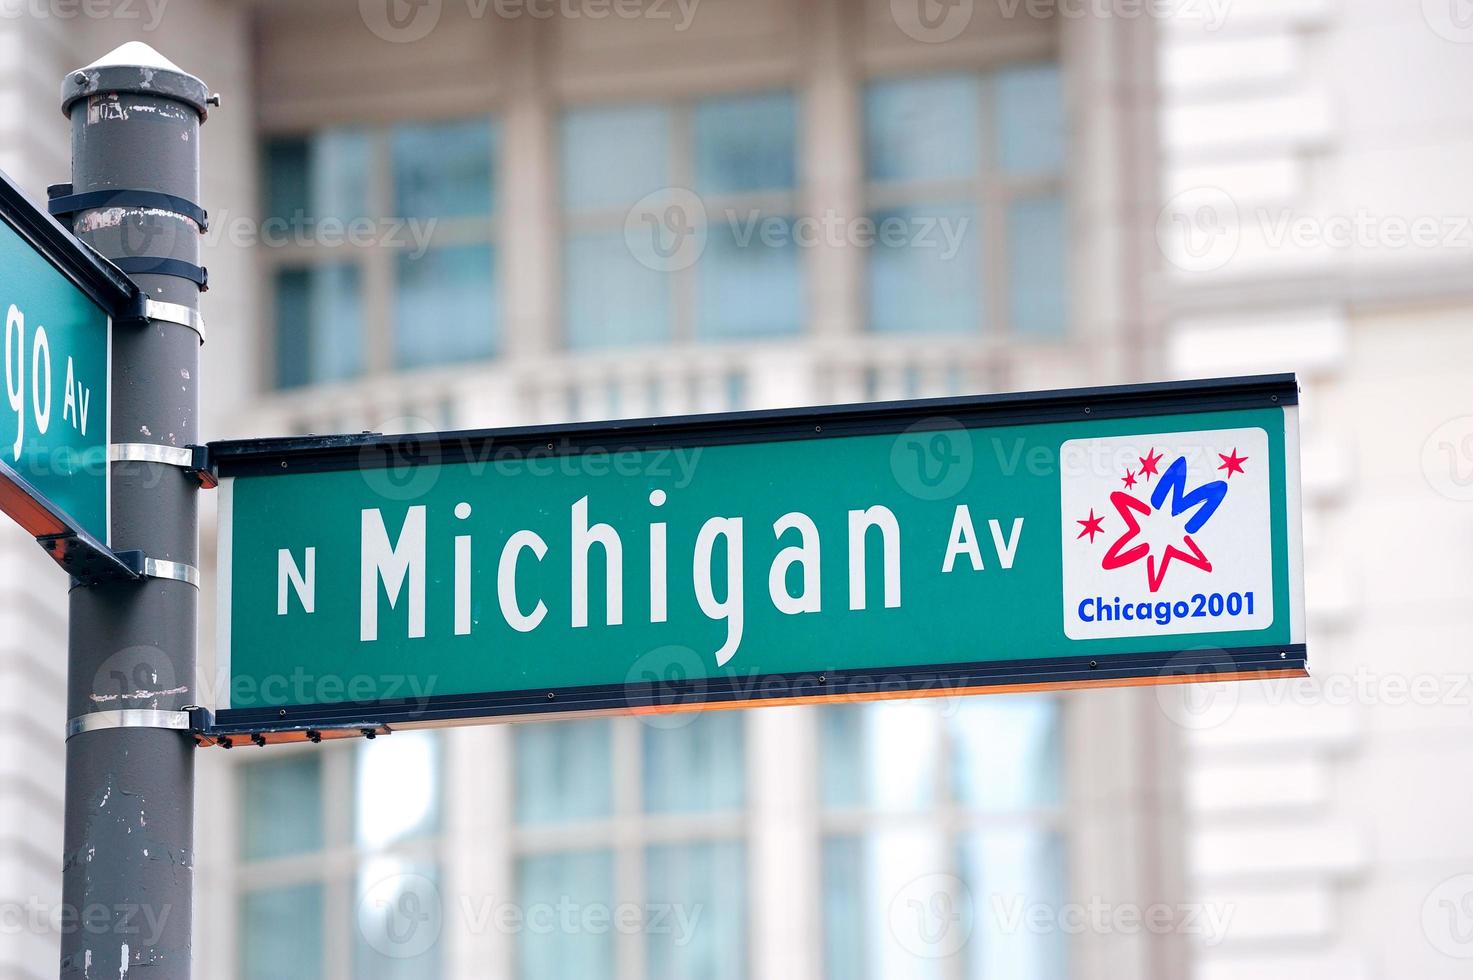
{"x": 1166, "y": 533}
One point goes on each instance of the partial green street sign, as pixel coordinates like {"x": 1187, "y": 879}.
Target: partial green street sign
{"x": 57, "y": 301}
{"x": 1101, "y": 536}
{"x": 53, "y": 422}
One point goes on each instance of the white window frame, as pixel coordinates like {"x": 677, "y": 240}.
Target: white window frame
{"x": 990, "y": 192}
{"x": 336, "y": 866}
{"x": 629, "y": 831}
{"x": 682, "y": 283}
{"x": 377, "y": 266}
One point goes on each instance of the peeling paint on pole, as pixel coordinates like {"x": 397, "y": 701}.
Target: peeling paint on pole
{"x": 128, "y": 868}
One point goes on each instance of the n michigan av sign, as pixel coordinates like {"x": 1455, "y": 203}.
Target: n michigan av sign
{"x": 1093, "y": 537}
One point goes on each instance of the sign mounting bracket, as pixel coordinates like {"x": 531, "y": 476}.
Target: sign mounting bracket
{"x": 207, "y": 733}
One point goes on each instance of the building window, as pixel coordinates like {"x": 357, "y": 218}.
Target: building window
{"x": 381, "y": 247}
{"x": 965, "y": 188}
{"x": 678, "y": 222}
{"x": 939, "y": 827}
{"x": 334, "y": 843}
{"x": 630, "y": 848}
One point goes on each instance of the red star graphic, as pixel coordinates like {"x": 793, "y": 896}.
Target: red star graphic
{"x": 1148, "y": 463}
{"x": 1155, "y": 573}
{"x": 1091, "y": 526}
{"x": 1233, "y": 464}
{"x": 1128, "y": 479}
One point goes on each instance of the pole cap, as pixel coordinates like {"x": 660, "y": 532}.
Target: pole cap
{"x": 137, "y": 68}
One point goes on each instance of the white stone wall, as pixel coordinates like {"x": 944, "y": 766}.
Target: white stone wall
{"x": 1306, "y": 146}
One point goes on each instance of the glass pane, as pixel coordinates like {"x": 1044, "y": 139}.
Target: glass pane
{"x": 324, "y": 175}
{"x": 1005, "y": 752}
{"x": 282, "y": 807}
{"x": 293, "y": 314}
{"x": 697, "y": 768}
{"x": 444, "y": 169}
{"x": 288, "y": 177}
{"x": 922, "y": 128}
{"x": 613, "y": 157}
{"x": 747, "y": 143}
{"x": 750, "y": 278}
{"x": 447, "y": 306}
{"x": 1038, "y": 266}
{"x": 398, "y": 921}
{"x": 319, "y": 324}
{"x": 564, "y": 771}
{"x": 281, "y": 933}
{"x": 568, "y": 917}
{"x": 923, "y": 269}
{"x": 697, "y": 926}
{"x": 1031, "y": 131}
{"x": 892, "y": 908}
{"x": 611, "y": 299}
{"x": 844, "y": 924}
{"x": 397, "y": 788}
{"x": 880, "y": 755}
{"x": 1019, "y": 871}
{"x": 841, "y": 755}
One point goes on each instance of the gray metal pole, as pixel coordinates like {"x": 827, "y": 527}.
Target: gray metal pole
{"x": 129, "y": 852}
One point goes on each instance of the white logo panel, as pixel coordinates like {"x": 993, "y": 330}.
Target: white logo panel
{"x": 1166, "y": 533}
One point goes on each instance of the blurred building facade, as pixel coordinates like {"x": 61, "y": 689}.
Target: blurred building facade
{"x": 582, "y": 210}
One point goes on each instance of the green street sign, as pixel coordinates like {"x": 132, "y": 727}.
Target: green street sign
{"x": 57, "y": 300}
{"x": 1093, "y": 537}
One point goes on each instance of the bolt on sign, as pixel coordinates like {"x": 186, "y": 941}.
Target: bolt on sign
{"x": 58, "y": 301}
{"x": 1082, "y": 538}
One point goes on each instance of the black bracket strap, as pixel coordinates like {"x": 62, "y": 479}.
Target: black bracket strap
{"x": 65, "y": 203}
{"x": 201, "y": 467}
{"x": 156, "y": 265}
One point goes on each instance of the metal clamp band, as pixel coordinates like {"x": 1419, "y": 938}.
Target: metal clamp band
{"x": 65, "y": 203}
{"x": 175, "y": 313}
{"x": 159, "y": 265}
{"x": 176, "y": 570}
{"x": 95, "y": 721}
{"x": 147, "y": 452}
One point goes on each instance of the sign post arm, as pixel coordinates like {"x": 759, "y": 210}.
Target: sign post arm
{"x": 129, "y": 850}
